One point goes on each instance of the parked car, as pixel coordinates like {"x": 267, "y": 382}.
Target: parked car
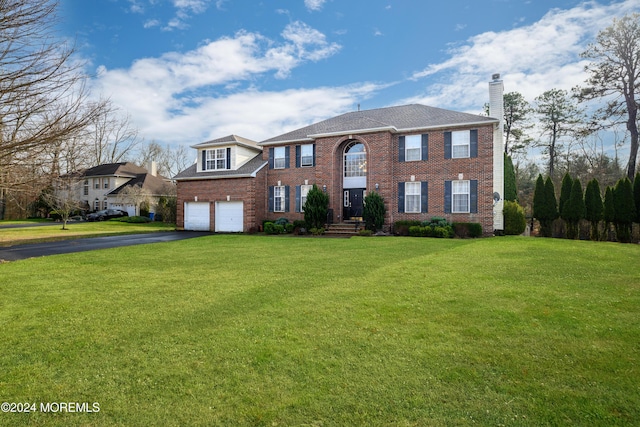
{"x": 106, "y": 214}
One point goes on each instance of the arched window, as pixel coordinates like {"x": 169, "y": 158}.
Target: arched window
{"x": 355, "y": 160}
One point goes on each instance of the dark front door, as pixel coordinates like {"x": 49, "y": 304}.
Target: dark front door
{"x": 352, "y": 201}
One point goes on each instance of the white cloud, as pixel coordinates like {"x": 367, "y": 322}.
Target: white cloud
{"x": 151, "y": 23}
{"x": 184, "y": 97}
{"x": 314, "y": 5}
{"x": 531, "y": 59}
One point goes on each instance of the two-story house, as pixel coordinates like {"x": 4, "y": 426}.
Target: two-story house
{"x": 102, "y": 185}
{"x": 423, "y": 161}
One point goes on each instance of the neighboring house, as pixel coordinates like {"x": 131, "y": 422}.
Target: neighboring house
{"x": 423, "y": 161}
{"x": 102, "y": 186}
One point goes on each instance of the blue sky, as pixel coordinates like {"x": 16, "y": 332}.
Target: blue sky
{"x": 191, "y": 70}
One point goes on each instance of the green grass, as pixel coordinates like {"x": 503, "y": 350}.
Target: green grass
{"x": 254, "y": 330}
{"x": 74, "y": 230}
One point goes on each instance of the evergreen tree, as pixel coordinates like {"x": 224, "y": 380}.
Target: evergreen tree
{"x": 574, "y": 210}
{"x": 373, "y": 212}
{"x": 625, "y": 209}
{"x": 565, "y": 194}
{"x": 544, "y": 205}
{"x": 593, "y": 207}
{"x": 510, "y": 187}
{"x": 609, "y": 211}
{"x": 316, "y": 208}
{"x": 636, "y": 195}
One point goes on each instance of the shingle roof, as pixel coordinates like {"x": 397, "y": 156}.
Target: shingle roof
{"x": 153, "y": 184}
{"x": 247, "y": 170}
{"x": 230, "y": 139}
{"x": 111, "y": 169}
{"x": 395, "y": 119}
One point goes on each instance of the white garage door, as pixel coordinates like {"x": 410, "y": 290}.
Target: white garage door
{"x": 196, "y": 216}
{"x": 229, "y": 217}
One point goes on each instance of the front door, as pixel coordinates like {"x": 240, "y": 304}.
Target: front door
{"x": 353, "y": 203}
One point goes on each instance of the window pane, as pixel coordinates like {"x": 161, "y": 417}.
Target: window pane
{"x": 306, "y": 153}
{"x": 412, "y": 197}
{"x": 460, "y": 143}
{"x": 412, "y": 147}
{"x": 278, "y": 158}
{"x": 460, "y": 196}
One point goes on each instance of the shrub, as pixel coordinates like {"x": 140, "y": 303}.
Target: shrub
{"x": 545, "y": 208}
{"x": 415, "y": 231}
{"x": 268, "y": 227}
{"x": 299, "y": 223}
{"x": 317, "y": 231}
{"x": 133, "y": 219}
{"x": 289, "y": 228}
{"x": 281, "y": 221}
{"x": 514, "y": 219}
{"x": 366, "y": 233}
{"x": 373, "y": 212}
{"x": 401, "y": 228}
{"x": 594, "y": 208}
{"x": 624, "y": 209}
{"x": 467, "y": 229}
{"x": 316, "y": 207}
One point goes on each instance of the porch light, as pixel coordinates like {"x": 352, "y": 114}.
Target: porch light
{"x": 377, "y": 186}
{"x": 324, "y": 188}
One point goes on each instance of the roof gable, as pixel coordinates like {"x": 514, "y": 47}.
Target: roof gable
{"x": 115, "y": 169}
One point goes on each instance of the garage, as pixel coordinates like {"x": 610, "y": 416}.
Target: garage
{"x": 229, "y": 217}
{"x": 197, "y": 216}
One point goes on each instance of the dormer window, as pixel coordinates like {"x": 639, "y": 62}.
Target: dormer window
{"x": 215, "y": 159}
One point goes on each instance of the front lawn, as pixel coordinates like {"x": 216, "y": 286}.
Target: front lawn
{"x": 280, "y": 331}
{"x": 54, "y": 231}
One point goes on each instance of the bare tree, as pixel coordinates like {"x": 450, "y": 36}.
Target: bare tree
{"x": 42, "y": 96}
{"x": 62, "y": 197}
{"x": 558, "y": 118}
{"x": 614, "y": 76}
{"x": 169, "y": 160}
{"x": 112, "y": 136}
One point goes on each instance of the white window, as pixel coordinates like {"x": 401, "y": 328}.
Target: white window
{"x": 355, "y": 161}
{"x": 96, "y": 183}
{"x": 460, "y": 196}
{"x": 278, "y": 198}
{"x": 105, "y": 204}
{"x": 278, "y": 158}
{"x": 85, "y": 191}
{"x": 96, "y": 205}
{"x": 105, "y": 183}
{"x": 304, "y": 190}
{"x": 412, "y": 147}
{"x": 460, "y": 143}
{"x": 216, "y": 159}
{"x": 412, "y": 197}
{"x": 306, "y": 155}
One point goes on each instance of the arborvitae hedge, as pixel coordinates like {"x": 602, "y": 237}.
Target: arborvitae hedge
{"x": 574, "y": 210}
{"x": 625, "y": 209}
{"x": 545, "y": 209}
{"x": 636, "y": 195}
{"x": 316, "y": 208}
{"x": 594, "y": 208}
{"x": 609, "y": 211}
{"x": 565, "y": 194}
{"x": 514, "y": 220}
{"x": 510, "y": 186}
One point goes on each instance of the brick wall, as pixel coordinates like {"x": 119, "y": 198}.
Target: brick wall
{"x": 385, "y": 169}
{"x": 249, "y": 190}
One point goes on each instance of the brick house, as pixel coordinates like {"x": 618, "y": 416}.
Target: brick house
{"x": 423, "y": 161}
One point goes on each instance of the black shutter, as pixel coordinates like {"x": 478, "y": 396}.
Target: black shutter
{"x": 298, "y": 193}
{"x": 286, "y": 157}
{"x": 447, "y": 145}
{"x": 473, "y": 196}
{"x": 401, "y": 197}
{"x": 401, "y": 149}
{"x": 271, "y": 204}
{"x": 204, "y": 160}
{"x": 314, "y": 154}
{"x": 425, "y": 146}
{"x": 271, "y": 158}
{"x": 473, "y": 143}
{"x": 447, "y": 197}
{"x": 297, "y": 157}
{"x": 228, "y": 157}
{"x": 286, "y": 198}
{"x": 424, "y": 197}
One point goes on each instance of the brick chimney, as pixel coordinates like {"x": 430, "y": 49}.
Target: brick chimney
{"x": 496, "y": 110}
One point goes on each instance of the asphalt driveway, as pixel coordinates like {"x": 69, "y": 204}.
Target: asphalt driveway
{"x": 18, "y": 252}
